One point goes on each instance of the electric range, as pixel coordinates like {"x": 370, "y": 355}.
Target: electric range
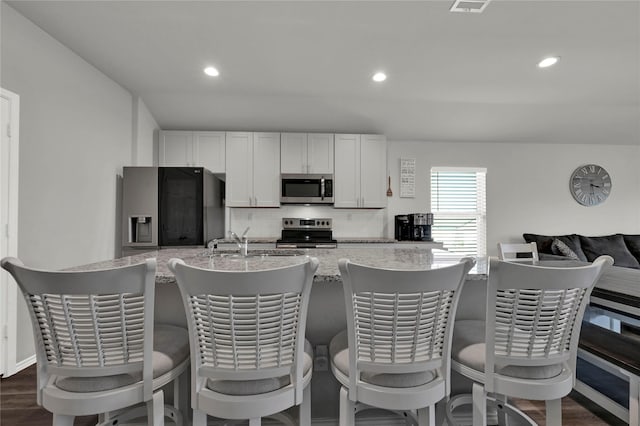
{"x": 306, "y": 233}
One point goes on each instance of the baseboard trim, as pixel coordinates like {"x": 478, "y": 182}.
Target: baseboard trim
{"x": 27, "y": 362}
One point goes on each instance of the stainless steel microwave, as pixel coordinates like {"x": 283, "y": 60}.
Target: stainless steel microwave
{"x": 306, "y": 189}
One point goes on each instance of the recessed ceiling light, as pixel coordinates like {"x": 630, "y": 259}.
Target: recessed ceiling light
{"x": 379, "y": 76}
{"x": 547, "y": 62}
{"x": 469, "y": 6}
{"x": 211, "y": 71}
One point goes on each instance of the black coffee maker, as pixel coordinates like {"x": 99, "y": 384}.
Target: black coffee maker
{"x": 420, "y": 226}
{"x": 403, "y": 230}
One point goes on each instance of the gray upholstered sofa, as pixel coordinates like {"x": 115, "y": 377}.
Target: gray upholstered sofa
{"x": 619, "y": 286}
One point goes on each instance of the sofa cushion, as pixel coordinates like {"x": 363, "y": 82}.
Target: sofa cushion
{"x": 546, "y": 256}
{"x": 544, "y": 243}
{"x": 633, "y": 244}
{"x": 613, "y": 245}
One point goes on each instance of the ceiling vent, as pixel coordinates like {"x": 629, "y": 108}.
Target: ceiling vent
{"x": 469, "y": 6}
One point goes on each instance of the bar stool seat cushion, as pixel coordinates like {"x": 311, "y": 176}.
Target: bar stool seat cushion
{"x": 170, "y": 349}
{"x": 339, "y": 352}
{"x": 468, "y": 348}
{"x": 256, "y": 387}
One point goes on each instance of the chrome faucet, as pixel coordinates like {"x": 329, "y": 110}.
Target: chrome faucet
{"x": 212, "y": 246}
{"x": 242, "y": 242}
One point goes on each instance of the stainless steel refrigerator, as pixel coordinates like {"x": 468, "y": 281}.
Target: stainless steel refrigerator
{"x": 170, "y": 206}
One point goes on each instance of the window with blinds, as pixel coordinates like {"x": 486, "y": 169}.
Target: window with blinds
{"x": 458, "y": 204}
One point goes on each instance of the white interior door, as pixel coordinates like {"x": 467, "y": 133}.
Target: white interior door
{"x": 9, "y": 117}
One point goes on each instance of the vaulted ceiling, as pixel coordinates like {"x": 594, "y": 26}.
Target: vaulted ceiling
{"x": 307, "y": 65}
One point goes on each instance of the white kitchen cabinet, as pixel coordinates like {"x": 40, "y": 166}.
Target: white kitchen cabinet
{"x": 210, "y": 150}
{"x": 360, "y": 171}
{"x": 192, "y": 149}
{"x": 239, "y": 178}
{"x": 320, "y": 147}
{"x": 373, "y": 171}
{"x": 293, "y": 153}
{"x": 175, "y": 148}
{"x": 306, "y": 153}
{"x": 346, "y": 178}
{"x": 266, "y": 169}
{"x": 253, "y": 169}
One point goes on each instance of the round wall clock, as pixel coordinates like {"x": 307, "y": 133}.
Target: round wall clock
{"x": 590, "y": 185}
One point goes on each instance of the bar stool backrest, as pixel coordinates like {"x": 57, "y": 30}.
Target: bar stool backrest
{"x": 246, "y": 325}
{"x": 534, "y": 313}
{"x": 90, "y": 323}
{"x": 400, "y": 321}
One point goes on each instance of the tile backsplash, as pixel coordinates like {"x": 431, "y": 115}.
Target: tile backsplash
{"x": 347, "y": 223}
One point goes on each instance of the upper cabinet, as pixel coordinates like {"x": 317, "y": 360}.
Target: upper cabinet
{"x": 253, "y": 162}
{"x": 373, "y": 171}
{"x": 306, "y": 153}
{"x": 360, "y": 171}
{"x": 253, "y": 169}
{"x": 192, "y": 149}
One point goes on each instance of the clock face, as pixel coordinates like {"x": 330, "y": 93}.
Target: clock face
{"x": 590, "y": 185}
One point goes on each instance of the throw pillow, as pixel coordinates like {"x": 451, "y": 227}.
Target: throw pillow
{"x": 633, "y": 244}
{"x": 613, "y": 245}
{"x": 561, "y": 249}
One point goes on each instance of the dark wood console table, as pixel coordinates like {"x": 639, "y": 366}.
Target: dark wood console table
{"x": 609, "y": 361}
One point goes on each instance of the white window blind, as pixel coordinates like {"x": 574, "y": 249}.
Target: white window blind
{"x": 458, "y": 204}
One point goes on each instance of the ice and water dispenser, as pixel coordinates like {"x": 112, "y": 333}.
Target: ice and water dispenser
{"x": 140, "y": 229}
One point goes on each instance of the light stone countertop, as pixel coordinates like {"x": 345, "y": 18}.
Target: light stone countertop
{"x": 392, "y": 258}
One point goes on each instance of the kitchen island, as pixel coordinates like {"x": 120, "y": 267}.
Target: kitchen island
{"x": 326, "y": 310}
{"x": 326, "y": 316}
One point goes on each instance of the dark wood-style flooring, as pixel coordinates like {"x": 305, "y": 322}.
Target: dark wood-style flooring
{"x": 18, "y": 406}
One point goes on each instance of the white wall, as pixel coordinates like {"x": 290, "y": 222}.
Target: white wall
{"x": 75, "y": 136}
{"x": 528, "y": 186}
{"x": 527, "y": 191}
{"x": 145, "y": 135}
